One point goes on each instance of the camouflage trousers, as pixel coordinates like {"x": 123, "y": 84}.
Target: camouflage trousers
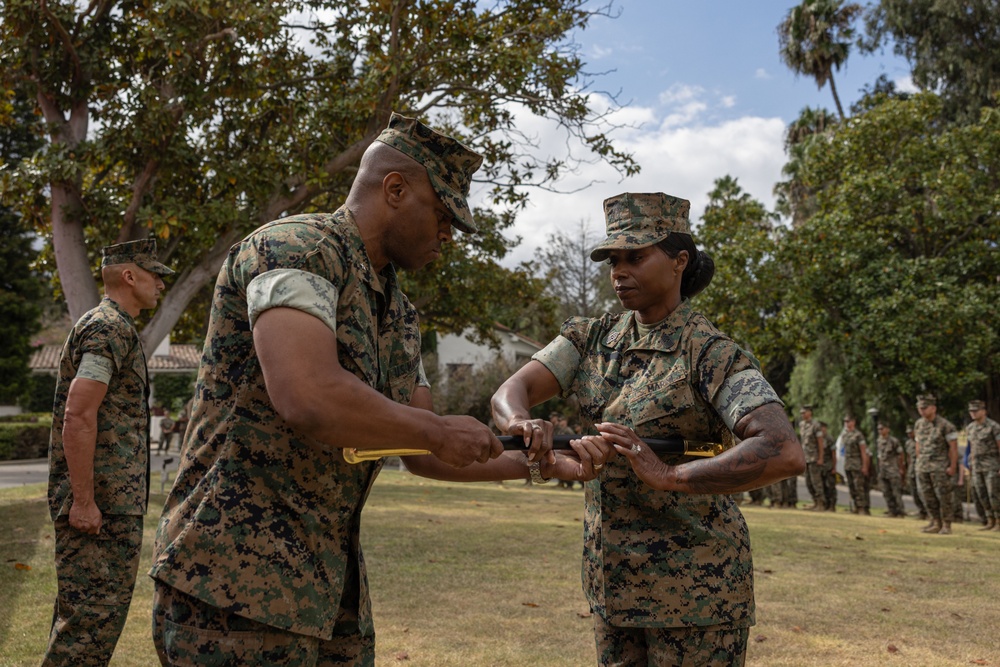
{"x": 911, "y": 480}
{"x": 830, "y": 487}
{"x": 669, "y": 647}
{"x": 95, "y": 575}
{"x": 188, "y": 632}
{"x": 936, "y": 490}
{"x": 814, "y": 482}
{"x": 986, "y": 481}
{"x": 858, "y": 485}
{"x": 892, "y": 491}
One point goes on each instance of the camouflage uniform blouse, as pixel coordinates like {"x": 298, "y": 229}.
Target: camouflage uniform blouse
{"x": 983, "y": 441}
{"x": 932, "y": 438}
{"x": 104, "y": 346}
{"x": 656, "y": 558}
{"x": 889, "y": 451}
{"x": 852, "y": 442}
{"x": 263, "y": 521}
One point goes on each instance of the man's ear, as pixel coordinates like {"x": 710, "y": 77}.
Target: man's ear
{"x": 128, "y": 276}
{"x": 394, "y": 187}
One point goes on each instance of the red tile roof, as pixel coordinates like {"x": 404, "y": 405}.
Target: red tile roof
{"x": 45, "y": 359}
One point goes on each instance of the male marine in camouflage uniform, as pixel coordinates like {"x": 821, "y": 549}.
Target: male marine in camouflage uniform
{"x": 812, "y": 444}
{"x": 99, "y": 460}
{"x": 984, "y": 441}
{"x": 311, "y": 347}
{"x": 937, "y": 461}
{"x": 857, "y": 465}
{"x": 891, "y": 466}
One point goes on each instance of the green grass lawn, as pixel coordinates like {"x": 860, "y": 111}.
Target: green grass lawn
{"x": 484, "y": 574}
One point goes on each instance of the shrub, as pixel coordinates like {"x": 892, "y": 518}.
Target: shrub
{"x": 24, "y": 440}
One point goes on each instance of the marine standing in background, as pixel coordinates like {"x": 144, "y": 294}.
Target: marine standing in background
{"x": 891, "y": 468}
{"x": 984, "y": 442}
{"x": 814, "y": 447}
{"x": 857, "y": 464}
{"x": 937, "y": 461}
{"x": 99, "y": 460}
{"x": 911, "y": 474}
{"x": 829, "y": 468}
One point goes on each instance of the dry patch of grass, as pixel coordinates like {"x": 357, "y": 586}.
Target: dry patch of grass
{"x": 490, "y": 575}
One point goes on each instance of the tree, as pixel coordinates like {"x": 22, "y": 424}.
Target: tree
{"x": 794, "y": 199}
{"x": 197, "y": 121}
{"x": 745, "y": 297}
{"x": 953, "y": 47}
{"x": 815, "y": 38}
{"x": 579, "y": 284}
{"x": 899, "y": 267}
{"x": 20, "y": 284}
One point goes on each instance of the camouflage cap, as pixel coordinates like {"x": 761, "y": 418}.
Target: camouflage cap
{"x": 637, "y": 220}
{"x": 977, "y": 405}
{"x": 806, "y": 408}
{"x": 141, "y": 253}
{"x": 849, "y": 418}
{"x": 925, "y": 400}
{"x": 450, "y": 165}
{"x": 883, "y": 425}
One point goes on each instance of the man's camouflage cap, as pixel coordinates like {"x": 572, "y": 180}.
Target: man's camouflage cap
{"x": 637, "y": 220}
{"x": 141, "y": 253}
{"x": 926, "y": 400}
{"x": 450, "y": 165}
{"x": 977, "y": 405}
{"x": 806, "y": 408}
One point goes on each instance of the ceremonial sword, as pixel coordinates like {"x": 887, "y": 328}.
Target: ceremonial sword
{"x": 675, "y": 446}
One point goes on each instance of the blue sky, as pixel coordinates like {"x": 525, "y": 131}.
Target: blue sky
{"x": 705, "y": 95}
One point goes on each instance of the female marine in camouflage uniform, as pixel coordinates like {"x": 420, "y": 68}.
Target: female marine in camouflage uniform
{"x": 667, "y": 566}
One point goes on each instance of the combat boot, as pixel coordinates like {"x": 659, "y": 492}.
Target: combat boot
{"x": 990, "y": 524}
{"x": 933, "y": 527}
{"x": 945, "y": 529}
{"x": 865, "y": 511}
{"x": 996, "y": 527}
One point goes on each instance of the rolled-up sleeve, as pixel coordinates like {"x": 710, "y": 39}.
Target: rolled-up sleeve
{"x": 562, "y": 359}
{"x": 293, "y": 288}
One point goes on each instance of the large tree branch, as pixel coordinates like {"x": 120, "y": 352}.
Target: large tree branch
{"x": 66, "y": 40}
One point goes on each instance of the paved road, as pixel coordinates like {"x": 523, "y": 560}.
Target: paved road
{"x": 19, "y": 473}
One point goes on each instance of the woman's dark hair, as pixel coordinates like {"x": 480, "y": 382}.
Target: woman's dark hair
{"x": 700, "y": 267}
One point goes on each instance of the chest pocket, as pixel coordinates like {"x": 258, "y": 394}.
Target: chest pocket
{"x": 665, "y": 405}
{"x": 593, "y": 391}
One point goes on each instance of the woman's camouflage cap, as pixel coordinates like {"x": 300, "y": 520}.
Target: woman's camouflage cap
{"x": 450, "y": 165}
{"x": 637, "y": 220}
{"x": 141, "y": 253}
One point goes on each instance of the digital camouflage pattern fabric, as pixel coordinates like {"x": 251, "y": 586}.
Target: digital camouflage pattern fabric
{"x": 263, "y": 522}
{"x": 121, "y": 453}
{"x": 96, "y": 576}
{"x": 677, "y": 647}
{"x": 637, "y": 220}
{"x": 810, "y": 435}
{"x": 986, "y": 464}
{"x": 141, "y": 253}
{"x": 890, "y": 478}
{"x": 96, "y": 573}
{"x": 449, "y": 163}
{"x": 652, "y": 558}
{"x": 932, "y": 438}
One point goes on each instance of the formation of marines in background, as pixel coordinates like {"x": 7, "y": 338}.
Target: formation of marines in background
{"x": 927, "y": 465}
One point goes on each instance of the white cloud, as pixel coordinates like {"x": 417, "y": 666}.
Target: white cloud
{"x": 761, "y": 73}
{"x": 679, "y": 157}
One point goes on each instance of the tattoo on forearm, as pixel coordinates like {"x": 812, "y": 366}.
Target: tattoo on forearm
{"x": 765, "y": 433}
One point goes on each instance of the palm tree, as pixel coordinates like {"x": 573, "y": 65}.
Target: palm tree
{"x": 815, "y": 38}
{"x": 794, "y": 199}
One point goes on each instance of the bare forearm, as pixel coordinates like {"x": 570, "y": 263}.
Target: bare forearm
{"x": 768, "y": 453}
{"x": 79, "y": 443}
{"x": 510, "y": 465}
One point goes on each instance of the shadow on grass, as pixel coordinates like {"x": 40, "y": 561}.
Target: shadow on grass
{"x": 25, "y": 548}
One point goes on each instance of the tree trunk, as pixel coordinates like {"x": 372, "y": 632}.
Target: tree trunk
{"x": 836, "y": 98}
{"x": 187, "y": 285}
{"x": 68, "y": 243}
